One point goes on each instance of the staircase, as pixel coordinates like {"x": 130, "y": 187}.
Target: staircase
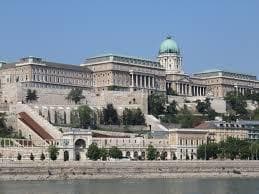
{"x": 37, "y": 122}
{"x": 33, "y": 125}
{"x": 154, "y": 123}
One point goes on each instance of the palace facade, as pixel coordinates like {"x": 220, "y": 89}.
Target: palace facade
{"x": 115, "y": 72}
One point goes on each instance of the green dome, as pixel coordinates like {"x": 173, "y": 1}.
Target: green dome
{"x": 168, "y": 46}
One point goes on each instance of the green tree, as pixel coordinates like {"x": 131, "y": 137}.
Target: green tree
{"x": 205, "y": 109}
{"x": 236, "y": 103}
{"x": 255, "y": 114}
{"x": 151, "y": 152}
{"x": 75, "y": 95}
{"x": 53, "y": 152}
{"x": 42, "y": 156}
{"x": 187, "y": 119}
{"x": 133, "y": 117}
{"x": 172, "y": 108}
{"x": 170, "y": 114}
{"x": 254, "y": 150}
{"x": 210, "y": 150}
{"x": 115, "y": 152}
{"x": 110, "y": 115}
{"x": 103, "y": 154}
{"x": 32, "y": 157}
{"x": 156, "y": 104}
{"x": 231, "y": 147}
{"x": 31, "y": 95}
{"x": 86, "y": 116}
{"x": 93, "y": 152}
{"x": 74, "y": 117}
{"x": 139, "y": 117}
{"x": 202, "y": 107}
{"x": 19, "y": 156}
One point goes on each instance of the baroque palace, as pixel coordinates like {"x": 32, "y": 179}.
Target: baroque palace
{"x": 123, "y": 81}
{"x": 120, "y": 73}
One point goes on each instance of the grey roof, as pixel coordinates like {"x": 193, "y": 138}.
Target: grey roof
{"x": 48, "y": 64}
{"x": 66, "y": 66}
{"x": 122, "y": 59}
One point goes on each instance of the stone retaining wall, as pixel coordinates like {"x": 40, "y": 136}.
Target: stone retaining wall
{"x": 124, "y": 169}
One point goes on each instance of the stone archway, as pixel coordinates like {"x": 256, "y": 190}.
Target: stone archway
{"x": 66, "y": 155}
{"x": 80, "y": 146}
{"x": 143, "y": 155}
{"x": 135, "y": 155}
{"x": 128, "y": 154}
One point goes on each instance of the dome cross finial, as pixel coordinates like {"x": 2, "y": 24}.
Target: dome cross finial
{"x": 168, "y": 36}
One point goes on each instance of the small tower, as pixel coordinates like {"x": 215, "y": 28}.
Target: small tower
{"x": 169, "y": 56}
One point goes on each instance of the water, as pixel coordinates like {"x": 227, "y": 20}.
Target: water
{"x": 134, "y": 186}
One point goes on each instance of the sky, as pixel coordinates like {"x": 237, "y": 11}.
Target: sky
{"x": 211, "y": 34}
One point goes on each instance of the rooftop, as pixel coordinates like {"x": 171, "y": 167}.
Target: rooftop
{"x": 122, "y": 59}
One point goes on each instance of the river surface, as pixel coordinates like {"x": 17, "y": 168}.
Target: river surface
{"x": 134, "y": 186}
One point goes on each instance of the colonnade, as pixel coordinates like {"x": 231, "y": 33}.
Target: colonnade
{"x": 242, "y": 90}
{"x": 142, "y": 81}
{"x": 188, "y": 89}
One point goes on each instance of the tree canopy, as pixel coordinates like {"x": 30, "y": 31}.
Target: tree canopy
{"x": 133, "y": 117}
{"x": 53, "y": 152}
{"x": 115, "y": 152}
{"x": 31, "y": 95}
{"x": 205, "y": 109}
{"x": 231, "y": 148}
{"x": 156, "y": 104}
{"x": 93, "y": 152}
{"x": 75, "y": 95}
{"x": 236, "y": 105}
{"x": 110, "y": 115}
{"x": 151, "y": 152}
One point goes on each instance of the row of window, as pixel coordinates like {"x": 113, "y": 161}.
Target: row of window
{"x": 45, "y": 78}
{"x": 61, "y": 72}
{"x": 191, "y": 142}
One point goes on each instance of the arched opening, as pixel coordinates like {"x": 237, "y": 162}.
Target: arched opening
{"x": 173, "y": 156}
{"x": 128, "y": 154}
{"x": 163, "y": 155}
{"x": 80, "y": 144}
{"x": 135, "y": 155}
{"x": 66, "y": 156}
{"x": 77, "y": 156}
{"x": 143, "y": 155}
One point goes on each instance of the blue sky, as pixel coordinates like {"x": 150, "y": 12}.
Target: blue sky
{"x": 211, "y": 34}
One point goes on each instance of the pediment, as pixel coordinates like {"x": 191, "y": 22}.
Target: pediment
{"x": 185, "y": 79}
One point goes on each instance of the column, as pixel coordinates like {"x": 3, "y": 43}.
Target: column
{"x": 132, "y": 80}
{"x": 177, "y": 88}
{"x": 199, "y": 91}
{"x": 204, "y": 91}
{"x": 154, "y": 82}
{"x": 136, "y": 80}
{"x": 181, "y": 88}
{"x": 149, "y": 82}
{"x": 145, "y": 81}
{"x": 196, "y": 90}
{"x": 140, "y": 77}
